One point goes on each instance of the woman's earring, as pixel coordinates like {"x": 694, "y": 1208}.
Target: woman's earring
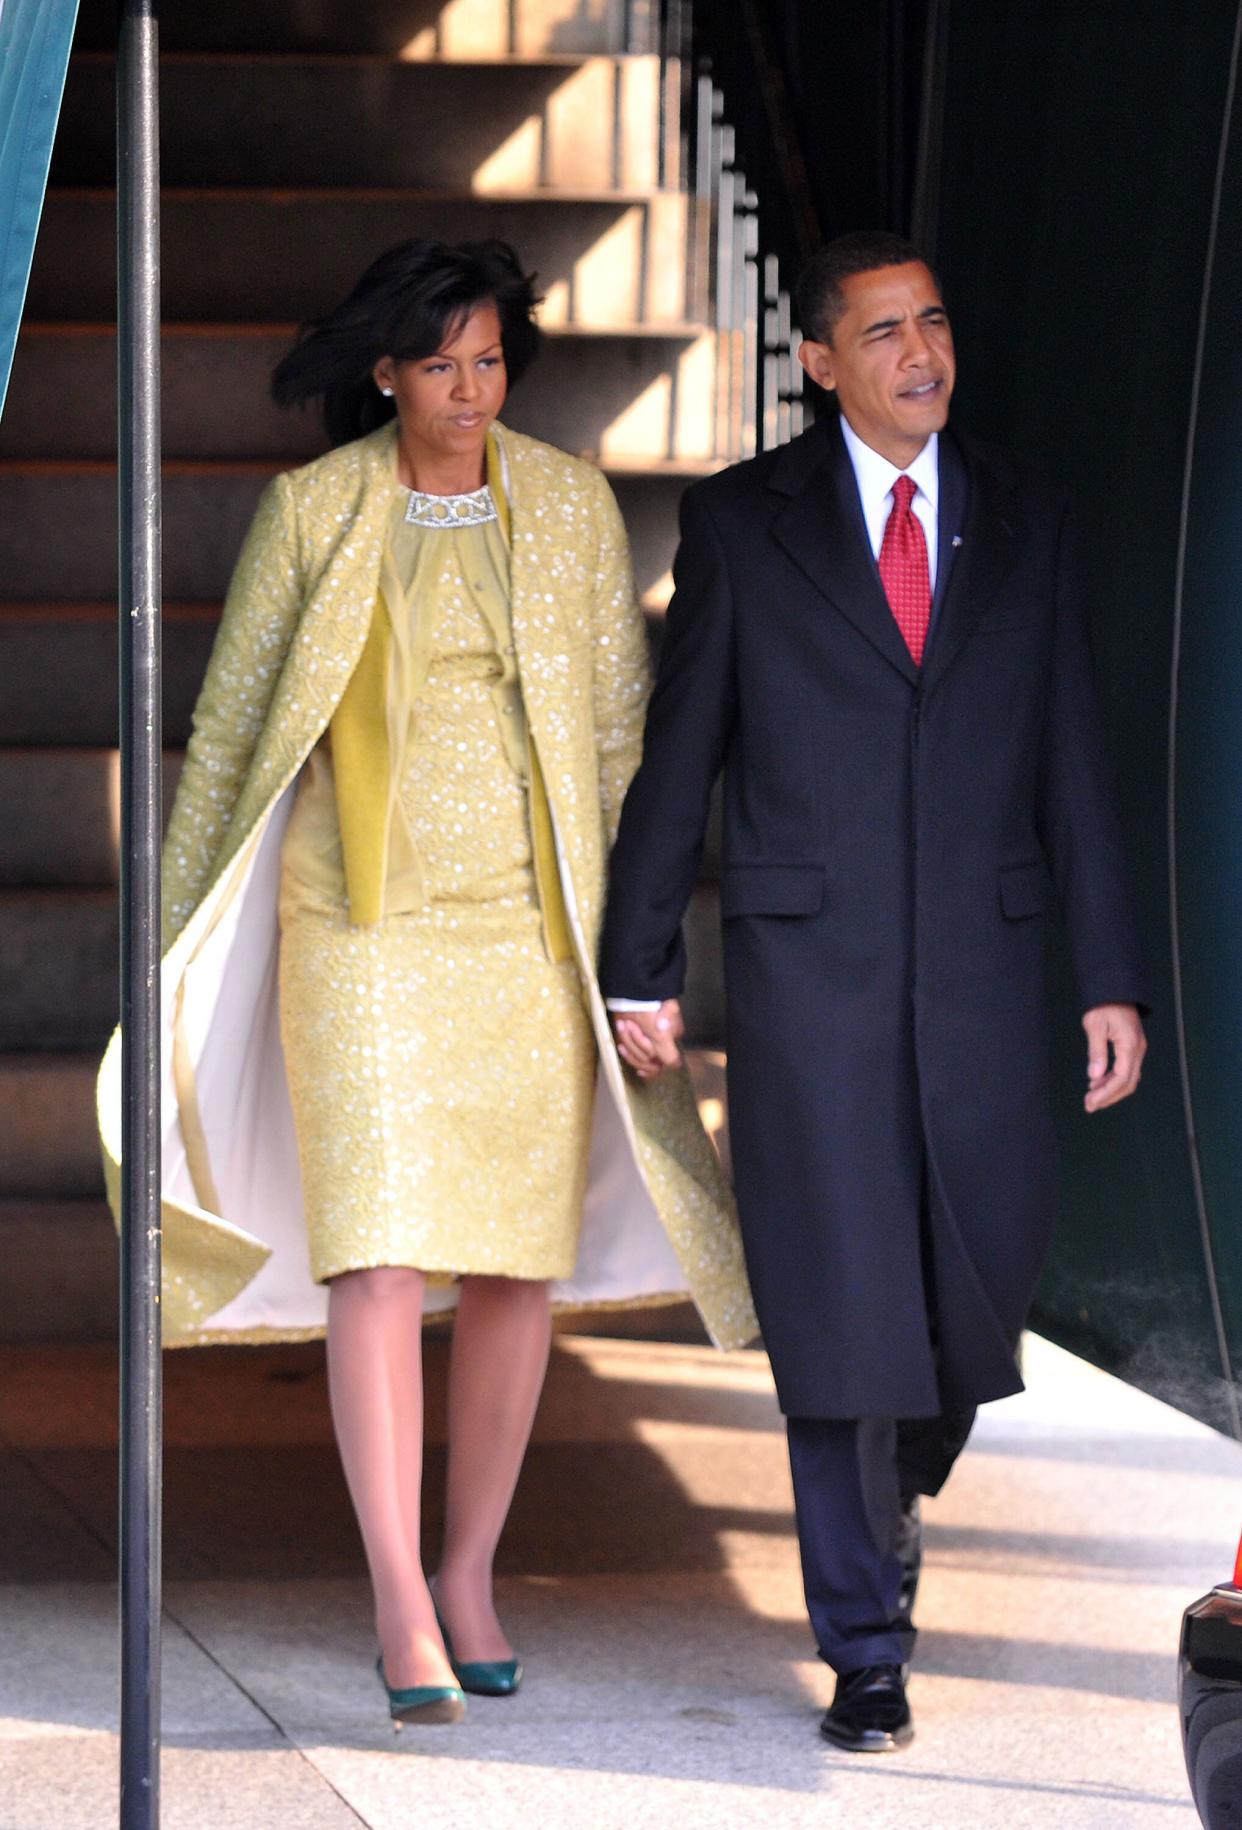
{"x": 387, "y": 393}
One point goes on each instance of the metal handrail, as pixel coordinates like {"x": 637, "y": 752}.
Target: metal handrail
{"x": 138, "y": 514}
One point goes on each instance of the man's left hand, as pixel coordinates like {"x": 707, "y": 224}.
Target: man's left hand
{"x": 1121, "y": 1026}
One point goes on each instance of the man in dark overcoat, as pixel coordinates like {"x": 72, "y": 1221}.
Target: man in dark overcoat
{"x": 877, "y": 635}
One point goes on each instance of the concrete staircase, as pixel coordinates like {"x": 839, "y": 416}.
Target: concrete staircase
{"x": 301, "y": 137}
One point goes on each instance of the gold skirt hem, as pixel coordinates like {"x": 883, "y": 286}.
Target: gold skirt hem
{"x": 437, "y": 1275}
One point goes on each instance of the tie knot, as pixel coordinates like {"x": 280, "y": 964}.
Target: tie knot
{"x": 903, "y": 492}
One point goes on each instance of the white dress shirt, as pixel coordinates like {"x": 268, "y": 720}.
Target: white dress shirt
{"x": 875, "y": 477}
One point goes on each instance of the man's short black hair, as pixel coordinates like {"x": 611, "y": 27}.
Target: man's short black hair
{"x": 820, "y": 298}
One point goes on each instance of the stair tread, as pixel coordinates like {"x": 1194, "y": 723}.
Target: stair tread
{"x": 225, "y": 331}
{"x": 521, "y": 60}
{"x": 21, "y": 1061}
{"x": 52, "y": 1204}
{"x": 101, "y": 609}
{"x": 90, "y": 895}
{"x": 358, "y": 193}
{"x": 613, "y": 465}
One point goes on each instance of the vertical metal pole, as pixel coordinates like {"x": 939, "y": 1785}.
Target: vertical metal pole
{"x": 138, "y": 354}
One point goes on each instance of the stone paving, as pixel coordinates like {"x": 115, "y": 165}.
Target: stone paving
{"x": 650, "y": 1580}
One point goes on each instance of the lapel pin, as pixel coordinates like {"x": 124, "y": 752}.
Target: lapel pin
{"x": 957, "y": 540}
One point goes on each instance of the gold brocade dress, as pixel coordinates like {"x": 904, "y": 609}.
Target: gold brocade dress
{"x": 441, "y": 1067}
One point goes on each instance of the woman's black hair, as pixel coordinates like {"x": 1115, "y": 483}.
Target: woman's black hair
{"x": 408, "y": 304}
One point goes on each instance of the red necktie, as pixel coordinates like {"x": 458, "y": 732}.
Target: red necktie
{"x": 903, "y": 569}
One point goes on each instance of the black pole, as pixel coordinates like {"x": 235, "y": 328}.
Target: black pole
{"x": 138, "y": 376}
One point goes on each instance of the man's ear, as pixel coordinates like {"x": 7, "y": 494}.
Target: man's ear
{"x": 818, "y": 361}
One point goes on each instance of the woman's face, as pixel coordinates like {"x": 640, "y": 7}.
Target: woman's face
{"x": 446, "y": 402}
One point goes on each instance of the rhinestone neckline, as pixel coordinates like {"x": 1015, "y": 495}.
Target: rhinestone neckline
{"x": 470, "y": 510}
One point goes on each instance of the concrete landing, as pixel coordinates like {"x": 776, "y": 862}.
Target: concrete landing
{"x": 651, "y": 1583}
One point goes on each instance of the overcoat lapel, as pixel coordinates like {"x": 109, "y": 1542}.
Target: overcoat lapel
{"x": 821, "y": 531}
{"x": 990, "y": 540}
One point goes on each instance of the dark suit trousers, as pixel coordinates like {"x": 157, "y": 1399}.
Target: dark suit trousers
{"x": 850, "y": 1478}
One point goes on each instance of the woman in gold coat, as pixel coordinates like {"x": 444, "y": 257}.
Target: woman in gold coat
{"x": 388, "y": 1069}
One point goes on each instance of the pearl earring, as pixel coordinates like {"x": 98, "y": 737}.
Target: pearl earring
{"x": 387, "y": 393}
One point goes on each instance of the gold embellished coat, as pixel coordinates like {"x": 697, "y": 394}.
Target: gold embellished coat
{"x": 659, "y": 1217}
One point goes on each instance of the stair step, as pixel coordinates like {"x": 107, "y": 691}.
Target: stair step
{"x": 58, "y": 969}
{"x": 60, "y": 816}
{"x": 279, "y": 254}
{"x": 49, "y": 1145}
{"x": 410, "y": 28}
{"x": 58, "y": 532}
{"x": 633, "y": 400}
{"x": 58, "y": 681}
{"x": 573, "y": 125}
{"x": 58, "y": 684}
{"x": 58, "y": 1271}
{"x": 48, "y": 1141}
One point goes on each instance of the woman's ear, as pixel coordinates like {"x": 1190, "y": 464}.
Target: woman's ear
{"x": 384, "y": 374}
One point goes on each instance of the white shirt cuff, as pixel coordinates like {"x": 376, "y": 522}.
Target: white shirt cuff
{"x": 632, "y": 1003}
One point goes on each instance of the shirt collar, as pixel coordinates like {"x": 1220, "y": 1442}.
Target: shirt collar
{"x": 876, "y": 475}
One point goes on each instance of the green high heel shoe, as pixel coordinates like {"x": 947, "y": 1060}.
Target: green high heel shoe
{"x": 489, "y": 1677}
{"x": 427, "y": 1705}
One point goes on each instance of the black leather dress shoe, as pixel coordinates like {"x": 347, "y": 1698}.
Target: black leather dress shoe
{"x": 909, "y": 1548}
{"x": 869, "y": 1713}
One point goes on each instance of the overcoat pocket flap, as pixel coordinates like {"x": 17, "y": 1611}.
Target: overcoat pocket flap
{"x": 1023, "y": 890}
{"x": 771, "y": 889}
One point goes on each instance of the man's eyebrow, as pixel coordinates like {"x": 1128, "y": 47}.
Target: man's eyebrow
{"x": 928, "y": 311}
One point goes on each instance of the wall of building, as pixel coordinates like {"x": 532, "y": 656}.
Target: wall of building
{"x": 1079, "y": 153}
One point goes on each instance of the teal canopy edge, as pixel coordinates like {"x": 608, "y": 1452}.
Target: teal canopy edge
{"x": 35, "y": 37}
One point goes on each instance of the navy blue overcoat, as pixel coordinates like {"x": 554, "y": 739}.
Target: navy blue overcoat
{"x": 892, "y": 838}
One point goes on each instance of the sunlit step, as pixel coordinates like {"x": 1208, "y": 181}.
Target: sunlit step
{"x": 564, "y": 124}
{"x": 58, "y": 525}
{"x": 58, "y": 684}
{"x": 60, "y": 815}
{"x": 602, "y": 258}
{"x": 399, "y": 28}
{"x": 635, "y": 397}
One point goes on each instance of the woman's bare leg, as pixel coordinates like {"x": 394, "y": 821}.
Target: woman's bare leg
{"x": 375, "y": 1381}
{"x": 500, "y": 1355}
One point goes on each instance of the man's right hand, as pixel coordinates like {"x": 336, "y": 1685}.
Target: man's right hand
{"x": 647, "y": 1040}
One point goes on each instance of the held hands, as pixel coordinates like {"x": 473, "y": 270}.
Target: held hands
{"x": 1120, "y": 1025}
{"x": 647, "y": 1039}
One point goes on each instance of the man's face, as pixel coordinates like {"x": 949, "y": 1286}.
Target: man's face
{"x": 890, "y": 361}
